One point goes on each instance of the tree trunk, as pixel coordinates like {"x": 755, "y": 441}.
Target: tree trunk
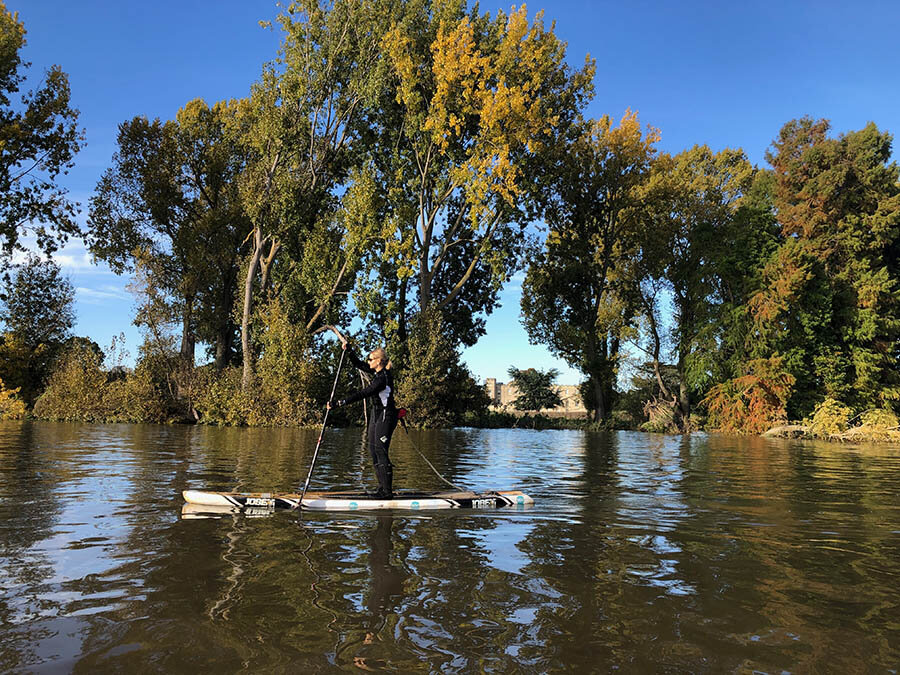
{"x": 224, "y": 324}
{"x": 594, "y": 373}
{"x": 612, "y": 357}
{"x": 247, "y": 354}
{"x": 684, "y": 403}
{"x": 599, "y": 395}
{"x": 222, "y": 354}
{"x": 657, "y": 348}
{"x": 187, "y": 335}
{"x": 266, "y": 266}
{"x": 424, "y": 286}
{"x": 223, "y": 347}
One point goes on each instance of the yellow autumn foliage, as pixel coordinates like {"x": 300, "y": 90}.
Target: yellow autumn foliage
{"x": 11, "y": 406}
{"x": 830, "y": 418}
{"x": 485, "y": 102}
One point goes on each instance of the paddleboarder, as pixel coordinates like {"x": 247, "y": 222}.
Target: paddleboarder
{"x": 384, "y": 411}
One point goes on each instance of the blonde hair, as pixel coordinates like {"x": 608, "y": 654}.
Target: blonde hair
{"x": 381, "y": 355}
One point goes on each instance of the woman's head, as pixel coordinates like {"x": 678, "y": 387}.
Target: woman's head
{"x": 378, "y": 359}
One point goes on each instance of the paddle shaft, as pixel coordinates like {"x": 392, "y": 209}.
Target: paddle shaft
{"x": 322, "y": 431}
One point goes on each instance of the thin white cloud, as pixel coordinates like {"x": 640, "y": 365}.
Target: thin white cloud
{"x": 102, "y": 294}
{"x": 73, "y": 258}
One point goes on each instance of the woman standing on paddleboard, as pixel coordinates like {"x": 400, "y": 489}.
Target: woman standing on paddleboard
{"x": 384, "y": 414}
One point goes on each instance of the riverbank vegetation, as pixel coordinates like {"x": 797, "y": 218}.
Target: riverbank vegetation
{"x": 386, "y": 171}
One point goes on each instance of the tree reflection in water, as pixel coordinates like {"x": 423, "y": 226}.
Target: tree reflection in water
{"x": 643, "y": 553}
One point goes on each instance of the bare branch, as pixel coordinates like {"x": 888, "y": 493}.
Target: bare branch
{"x": 472, "y": 265}
{"x": 331, "y": 293}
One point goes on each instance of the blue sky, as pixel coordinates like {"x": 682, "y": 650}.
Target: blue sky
{"x": 720, "y": 73}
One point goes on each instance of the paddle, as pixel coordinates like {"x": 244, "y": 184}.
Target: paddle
{"x": 322, "y": 431}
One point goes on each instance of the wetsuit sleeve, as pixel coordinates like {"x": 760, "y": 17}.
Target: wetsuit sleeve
{"x": 377, "y": 385}
{"x": 358, "y": 362}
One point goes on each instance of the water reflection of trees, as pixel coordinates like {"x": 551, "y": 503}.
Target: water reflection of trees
{"x": 640, "y": 571}
{"x": 28, "y": 512}
{"x": 623, "y": 567}
{"x": 27, "y": 507}
{"x": 729, "y": 553}
{"x": 647, "y": 553}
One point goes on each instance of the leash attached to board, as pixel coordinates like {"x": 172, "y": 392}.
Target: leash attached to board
{"x": 401, "y": 417}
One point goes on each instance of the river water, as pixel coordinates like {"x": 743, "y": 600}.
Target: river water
{"x": 643, "y": 553}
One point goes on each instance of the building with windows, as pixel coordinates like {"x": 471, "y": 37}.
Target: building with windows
{"x": 503, "y": 398}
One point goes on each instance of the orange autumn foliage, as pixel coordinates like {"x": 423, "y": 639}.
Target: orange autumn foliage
{"x": 752, "y": 403}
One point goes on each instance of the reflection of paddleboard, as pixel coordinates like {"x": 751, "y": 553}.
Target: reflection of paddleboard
{"x": 360, "y": 501}
{"x": 204, "y": 511}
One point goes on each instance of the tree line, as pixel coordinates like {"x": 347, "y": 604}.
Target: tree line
{"x": 387, "y": 169}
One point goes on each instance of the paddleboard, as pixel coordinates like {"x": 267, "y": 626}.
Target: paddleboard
{"x": 361, "y": 501}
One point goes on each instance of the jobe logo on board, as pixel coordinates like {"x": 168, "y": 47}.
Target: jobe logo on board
{"x": 261, "y": 501}
{"x": 482, "y": 503}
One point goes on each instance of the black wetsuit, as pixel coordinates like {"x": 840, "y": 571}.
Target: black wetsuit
{"x": 383, "y": 421}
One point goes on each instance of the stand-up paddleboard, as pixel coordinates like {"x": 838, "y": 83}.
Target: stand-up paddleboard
{"x": 361, "y": 501}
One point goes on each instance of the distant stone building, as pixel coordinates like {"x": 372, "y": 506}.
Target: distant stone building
{"x": 503, "y": 397}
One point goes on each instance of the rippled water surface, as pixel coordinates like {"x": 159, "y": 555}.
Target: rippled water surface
{"x": 642, "y": 554}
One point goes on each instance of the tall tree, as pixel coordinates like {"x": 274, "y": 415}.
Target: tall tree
{"x": 215, "y": 158}
{"x": 578, "y": 294}
{"x": 39, "y": 138}
{"x": 456, "y": 148}
{"x": 737, "y": 259}
{"x": 830, "y": 304}
{"x": 38, "y": 306}
{"x": 692, "y": 201}
{"x": 171, "y": 200}
{"x": 535, "y": 387}
{"x": 307, "y": 110}
{"x": 37, "y": 311}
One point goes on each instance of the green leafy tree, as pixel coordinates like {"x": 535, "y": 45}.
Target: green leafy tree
{"x": 291, "y": 376}
{"x": 726, "y": 349}
{"x": 39, "y": 138}
{"x": 38, "y": 306}
{"x": 307, "y": 111}
{"x": 215, "y": 158}
{"x": 456, "y": 143}
{"x": 830, "y": 300}
{"x": 692, "y": 201}
{"x": 738, "y": 259}
{"x": 433, "y": 384}
{"x": 37, "y": 311}
{"x": 536, "y": 388}
{"x": 578, "y": 296}
{"x": 171, "y": 200}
